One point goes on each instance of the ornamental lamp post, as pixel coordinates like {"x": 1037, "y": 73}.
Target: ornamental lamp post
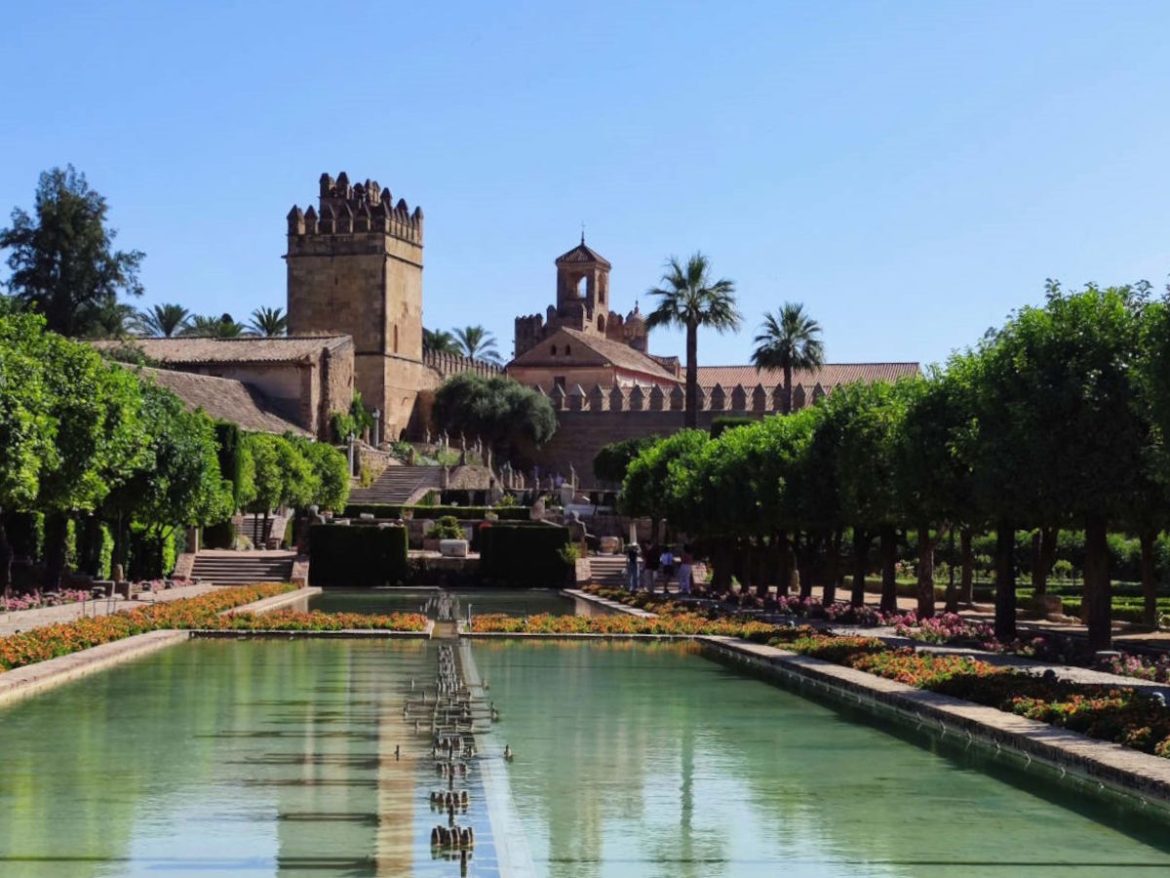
{"x": 377, "y": 426}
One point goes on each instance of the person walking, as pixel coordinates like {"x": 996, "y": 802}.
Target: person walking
{"x": 649, "y": 567}
{"x": 685, "y": 568}
{"x": 632, "y": 557}
{"x": 666, "y": 562}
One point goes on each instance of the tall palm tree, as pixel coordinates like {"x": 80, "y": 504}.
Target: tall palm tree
{"x": 163, "y": 321}
{"x": 789, "y": 339}
{"x": 690, "y": 299}
{"x": 439, "y": 341}
{"x": 214, "y": 327}
{"x": 476, "y": 343}
{"x": 268, "y": 322}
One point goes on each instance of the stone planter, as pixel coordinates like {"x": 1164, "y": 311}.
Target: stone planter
{"x": 609, "y": 545}
{"x": 453, "y": 548}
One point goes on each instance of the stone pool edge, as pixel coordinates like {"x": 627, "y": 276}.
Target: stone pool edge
{"x": 1123, "y": 771}
{"x": 1130, "y": 773}
{"x": 20, "y": 683}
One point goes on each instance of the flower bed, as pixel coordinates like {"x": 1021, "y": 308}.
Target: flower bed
{"x": 316, "y": 620}
{"x": 51, "y": 641}
{"x": 37, "y": 601}
{"x": 1109, "y": 713}
{"x": 676, "y": 624}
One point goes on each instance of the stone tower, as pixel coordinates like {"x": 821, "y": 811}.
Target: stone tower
{"x": 355, "y": 268}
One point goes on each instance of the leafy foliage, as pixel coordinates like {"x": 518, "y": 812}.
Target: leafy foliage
{"x": 63, "y": 262}
{"x": 503, "y": 413}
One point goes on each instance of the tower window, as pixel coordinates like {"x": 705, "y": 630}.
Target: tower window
{"x": 568, "y": 350}
{"x": 553, "y": 350}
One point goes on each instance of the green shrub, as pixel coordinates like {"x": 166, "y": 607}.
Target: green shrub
{"x": 446, "y": 528}
{"x": 523, "y": 556}
{"x": 26, "y": 534}
{"x": 357, "y": 557}
{"x": 721, "y": 425}
{"x": 219, "y": 536}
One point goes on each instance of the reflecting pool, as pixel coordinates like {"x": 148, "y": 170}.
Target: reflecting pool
{"x": 648, "y": 760}
{"x": 276, "y": 757}
{"x": 482, "y": 601}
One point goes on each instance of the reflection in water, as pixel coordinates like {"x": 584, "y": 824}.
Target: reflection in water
{"x": 257, "y": 758}
{"x": 645, "y": 760}
{"x": 275, "y": 758}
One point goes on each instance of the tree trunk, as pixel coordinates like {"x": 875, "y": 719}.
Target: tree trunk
{"x": 860, "y": 565}
{"x": 952, "y": 599}
{"x": 56, "y": 532}
{"x": 1098, "y": 593}
{"x": 692, "y": 413}
{"x": 784, "y": 548}
{"x": 1005, "y": 581}
{"x": 832, "y": 568}
{"x": 808, "y": 558}
{"x": 888, "y": 539}
{"x": 1047, "y": 553}
{"x": 760, "y": 567}
{"x": 787, "y": 402}
{"x": 1039, "y": 580}
{"x": 967, "y": 583}
{"x": 5, "y": 557}
{"x": 721, "y": 562}
{"x": 925, "y": 572}
{"x": 1149, "y": 578}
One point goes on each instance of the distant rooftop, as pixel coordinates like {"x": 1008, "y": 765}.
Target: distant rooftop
{"x": 224, "y": 399}
{"x": 231, "y": 350}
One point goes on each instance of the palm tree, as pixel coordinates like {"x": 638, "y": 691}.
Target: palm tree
{"x": 268, "y": 322}
{"x": 690, "y": 299}
{"x": 789, "y": 339}
{"x": 439, "y": 341}
{"x": 476, "y": 343}
{"x": 163, "y": 321}
{"x": 213, "y": 327}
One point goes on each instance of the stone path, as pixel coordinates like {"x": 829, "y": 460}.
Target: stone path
{"x": 23, "y": 620}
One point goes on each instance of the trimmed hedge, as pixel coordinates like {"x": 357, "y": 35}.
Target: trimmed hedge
{"x": 465, "y": 513}
{"x": 357, "y": 557}
{"x": 523, "y": 555}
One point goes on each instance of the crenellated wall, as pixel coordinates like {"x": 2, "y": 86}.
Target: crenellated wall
{"x": 589, "y": 420}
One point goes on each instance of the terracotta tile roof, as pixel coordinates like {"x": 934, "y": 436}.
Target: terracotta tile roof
{"x": 232, "y": 350}
{"x": 582, "y": 253}
{"x": 224, "y": 399}
{"x": 829, "y": 375}
{"x": 603, "y": 350}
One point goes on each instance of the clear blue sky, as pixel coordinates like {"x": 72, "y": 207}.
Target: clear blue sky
{"x": 911, "y": 171}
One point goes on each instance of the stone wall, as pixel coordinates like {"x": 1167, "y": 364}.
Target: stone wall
{"x": 586, "y": 421}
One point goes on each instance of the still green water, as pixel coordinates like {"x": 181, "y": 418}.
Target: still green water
{"x": 276, "y": 757}
{"x": 482, "y": 601}
{"x": 644, "y": 760}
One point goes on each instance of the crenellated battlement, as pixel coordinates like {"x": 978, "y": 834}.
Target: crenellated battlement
{"x": 363, "y": 208}
{"x": 739, "y": 400}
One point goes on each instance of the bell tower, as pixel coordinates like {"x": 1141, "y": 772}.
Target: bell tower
{"x": 583, "y": 288}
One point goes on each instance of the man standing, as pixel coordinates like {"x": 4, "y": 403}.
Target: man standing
{"x": 632, "y": 555}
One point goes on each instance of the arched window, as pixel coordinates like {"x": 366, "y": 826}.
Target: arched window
{"x": 553, "y": 350}
{"x": 601, "y": 322}
{"x": 396, "y": 338}
{"x": 568, "y": 350}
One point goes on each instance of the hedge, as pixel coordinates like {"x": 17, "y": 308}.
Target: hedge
{"x": 357, "y": 557}
{"x": 466, "y": 513}
{"x": 523, "y": 556}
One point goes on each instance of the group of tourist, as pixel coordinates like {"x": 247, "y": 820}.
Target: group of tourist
{"x": 647, "y": 565}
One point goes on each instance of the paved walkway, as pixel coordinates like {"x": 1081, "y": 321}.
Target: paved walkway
{"x": 23, "y": 620}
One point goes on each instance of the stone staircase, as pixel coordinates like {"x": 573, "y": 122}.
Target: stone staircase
{"x": 608, "y": 570}
{"x": 223, "y": 567}
{"x": 399, "y": 485}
